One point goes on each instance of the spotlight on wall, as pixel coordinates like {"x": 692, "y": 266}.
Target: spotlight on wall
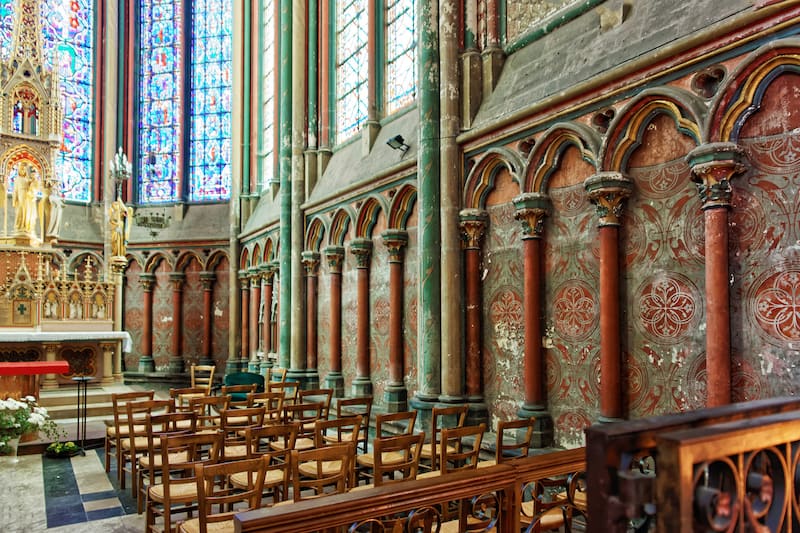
{"x": 398, "y": 143}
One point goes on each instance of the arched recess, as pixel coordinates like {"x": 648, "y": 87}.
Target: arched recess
{"x": 546, "y": 156}
{"x": 256, "y": 255}
{"x": 315, "y": 234}
{"x": 629, "y": 126}
{"x": 15, "y": 155}
{"x": 402, "y": 207}
{"x": 340, "y": 224}
{"x": 368, "y": 215}
{"x": 155, "y": 260}
{"x": 215, "y": 259}
{"x": 244, "y": 258}
{"x": 742, "y": 95}
{"x": 185, "y": 258}
{"x": 80, "y": 262}
{"x": 481, "y": 178}
{"x": 268, "y": 254}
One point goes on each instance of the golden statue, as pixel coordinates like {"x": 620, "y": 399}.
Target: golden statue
{"x": 119, "y": 218}
{"x": 25, "y": 199}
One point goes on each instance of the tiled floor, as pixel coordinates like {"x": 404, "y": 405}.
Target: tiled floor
{"x": 63, "y": 495}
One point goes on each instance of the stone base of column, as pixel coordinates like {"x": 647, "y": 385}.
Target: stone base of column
{"x": 335, "y": 381}
{"x": 49, "y": 382}
{"x": 543, "y": 428}
{"x": 312, "y": 378}
{"x": 362, "y": 386}
{"x": 395, "y": 396}
{"x": 264, "y": 366}
{"x": 478, "y": 413}
{"x": 233, "y": 365}
{"x": 147, "y": 364}
{"x": 176, "y": 365}
{"x": 298, "y": 375}
{"x": 424, "y": 405}
{"x": 254, "y": 366}
{"x": 205, "y": 361}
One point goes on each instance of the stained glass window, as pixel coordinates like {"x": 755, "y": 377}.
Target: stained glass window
{"x": 352, "y": 67}
{"x": 68, "y": 29}
{"x": 267, "y": 94}
{"x": 211, "y": 90}
{"x": 400, "y": 54}
{"x": 160, "y": 89}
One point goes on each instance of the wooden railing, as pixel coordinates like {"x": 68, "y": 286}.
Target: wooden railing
{"x": 500, "y": 483}
{"x": 626, "y": 492}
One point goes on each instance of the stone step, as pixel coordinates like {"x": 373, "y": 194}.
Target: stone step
{"x": 63, "y": 412}
{"x": 58, "y": 397}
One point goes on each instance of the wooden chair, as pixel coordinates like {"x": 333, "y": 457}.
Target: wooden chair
{"x": 511, "y": 446}
{"x": 259, "y": 442}
{"x": 182, "y": 396}
{"x": 339, "y": 431}
{"x": 238, "y": 394}
{"x": 407, "y": 448}
{"x": 361, "y": 405}
{"x": 135, "y": 444}
{"x": 214, "y": 489}
{"x": 544, "y": 505}
{"x": 157, "y": 426}
{"x": 118, "y": 426}
{"x": 441, "y": 418}
{"x": 324, "y": 471}
{"x": 239, "y": 384}
{"x": 207, "y": 409}
{"x": 324, "y": 396}
{"x": 272, "y": 403}
{"x": 233, "y": 423}
{"x": 177, "y": 492}
{"x": 289, "y": 389}
{"x": 275, "y": 374}
{"x": 202, "y": 376}
{"x": 305, "y": 415}
{"x": 402, "y": 423}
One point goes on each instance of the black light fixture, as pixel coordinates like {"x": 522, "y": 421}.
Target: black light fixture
{"x": 398, "y": 143}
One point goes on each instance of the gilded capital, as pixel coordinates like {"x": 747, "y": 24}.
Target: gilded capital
{"x": 147, "y": 280}
{"x": 310, "y": 260}
{"x": 177, "y": 279}
{"x": 532, "y": 208}
{"x": 713, "y": 166}
{"x": 608, "y": 191}
{"x": 267, "y": 272}
{"x": 362, "y": 249}
{"x": 208, "y": 279}
{"x": 396, "y": 242}
{"x": 334, "y": 255}
{"x": 472, "y": 223}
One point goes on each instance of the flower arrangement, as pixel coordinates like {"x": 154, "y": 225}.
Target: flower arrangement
{"x": 62, "y": 449}
{"x": 18, "y": 417}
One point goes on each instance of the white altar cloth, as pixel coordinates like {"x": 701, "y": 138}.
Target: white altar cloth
{"x": 68, "y": 336}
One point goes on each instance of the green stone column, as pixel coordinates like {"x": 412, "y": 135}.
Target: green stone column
{"x": 429, "y": 216}
{"x": 285, "y": 178}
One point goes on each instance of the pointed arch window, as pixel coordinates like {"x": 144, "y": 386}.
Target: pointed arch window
{"x": 177, "y": 163}
{"x": 401, "y": 47}
{"x": 352, "y": 67}
{"x": 267, "y": 101}
{"x": 69, "y": 41}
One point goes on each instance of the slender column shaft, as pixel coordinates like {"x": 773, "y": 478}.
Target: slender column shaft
{"x": 311, "y": 264}
{"x": 285, "y": 103}
{"x": 608, "y": 191}
{"x": 255, "y": 304}
{"x": 334, "y": 255}
{"x": 244, "y": 289}
{"x": 473, "y": 226}
{"x": 176, "y": 360}
{"x": 267, "y": 325}
{"x": 362, "y": 385}
{"x": 714, "y": 166}
{"x": 534, "y": 364}
{"x": 146, "y": 363}
{"x": 207, "y": 279}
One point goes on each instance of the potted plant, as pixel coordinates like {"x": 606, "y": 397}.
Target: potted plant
{"x": 24, "y": 417}
{"x": 62, "y": 449}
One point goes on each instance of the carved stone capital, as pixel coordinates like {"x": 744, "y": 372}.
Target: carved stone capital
{"x": 254, "y": 275}
{"x": 177, "y": 279}
{"x": 472, "y": 223}
{"x": 147, "y": 281}
{"x": 396, "y": 241}
{"x": 713, "y": 167}
{"x": 608, "y": 191}
{"x": 362, "y": 249}
{"x": 310, "y": 260}
{"x": 532, "y": 208}
{"x": 267, "y": 272}
{"x": 208, "y": 279}
{"x": 334, "y": 255}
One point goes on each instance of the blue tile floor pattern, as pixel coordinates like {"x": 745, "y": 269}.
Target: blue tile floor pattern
{"x": 64, "y": 495}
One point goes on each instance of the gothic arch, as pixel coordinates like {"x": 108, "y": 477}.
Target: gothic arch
{"x": 185, "y": 258}
{"x": 268, "y": 254}
{"x": 315, "y": 233}
{"x": 340, "y": 223}
{"x": 626, "y": 132}
{"x": 402, "y": 206}
{"x": 155, "y": 260}
{"x": 546, "y": 155}
{"x": 744, "y": 89}
{"x": 480, "y": 180}
{"x": 368, "y": 214}
{"x": 215, "y": 259}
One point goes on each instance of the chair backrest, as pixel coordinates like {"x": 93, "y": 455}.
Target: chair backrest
{"x": 136, "y": 415}
{"x": 203, "y": 376}
{"x": 288, "y": 388}
{"x": 456, "y": 455}
{"x": 323, "y": 396}
{"x": 162, "y": 425}
{"x": 404, "y": 419}
{"x": 193, "y": 449}
{"x": 234, "y": 421}
{"x": 244, "y": 378}
{"x": 207, "y": 409}
{"x": 330, "y": 466}
{"x": 182, "y": 396}
{"x": 360, "y": 405}
{"x": 306, "y": 414}
{"x": 337, "y": 431}
{"x": 444, "y": 418}
{"x": 214, "y": 489}
{"x": 259, "y": 439}
{"x": 275, "y": 374}
{"x": 406, "y": 446}
{"x": 271, "y": 401}
{"x": 119, "y": 401}
{"x": 512, "y": 446}
{"x": 238, "y": 394}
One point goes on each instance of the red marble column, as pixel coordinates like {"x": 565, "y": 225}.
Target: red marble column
{"x": 311, "y": 264}
{"x": 335, "y": 380}
{"x": 473, "y": 225}
{"x": 266, "y": 327}
{"x": 608, "y": 190}
{"x": 176, "y": 365}
{"x": 255, "y": 304}
{"x": 713, "y": 167}
{"x": 244, "y": 287}
{"x": 207, "y": 279}
{"x": 362, "y": 384}
{"x": 395, "y": 394}
{"x": 146, "y": 362}
{"x": 532, "y": 208}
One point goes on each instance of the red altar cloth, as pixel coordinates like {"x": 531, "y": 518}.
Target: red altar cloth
{"x": 28, "y": 368}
